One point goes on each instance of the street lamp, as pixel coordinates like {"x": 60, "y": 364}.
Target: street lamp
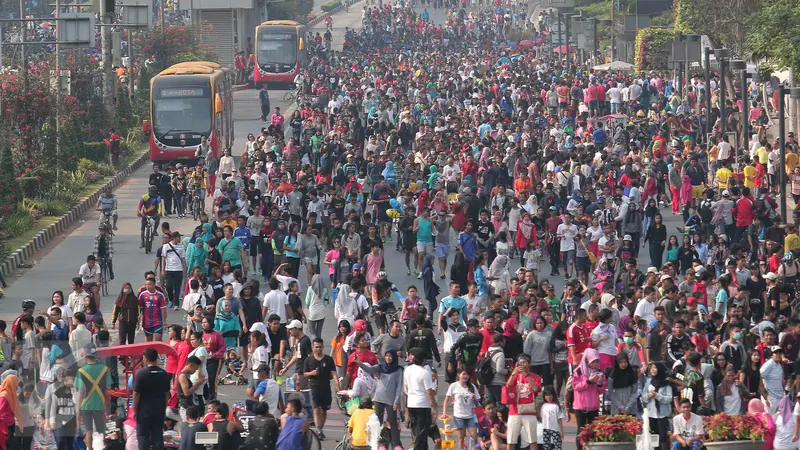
{"x": 738, "y": 64}
{"x": 567, "y": 19}
{"x": 794, "y": 93}
{"x": 722, "y": 54}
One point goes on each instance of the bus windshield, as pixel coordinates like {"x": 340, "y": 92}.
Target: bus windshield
{"x": 182, "y": 110}
{"x": 277, "y": 48}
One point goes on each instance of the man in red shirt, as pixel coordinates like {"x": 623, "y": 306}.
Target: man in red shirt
{"x": 522, "y": 387}
{"x": 488, "y": 331}
{"x": 553, "y": 244}
{"x": 743, "y": 213}
{"x": 592, "y": 98}
{"x": 579, "y": 338}
{"x": 563, "y": 97}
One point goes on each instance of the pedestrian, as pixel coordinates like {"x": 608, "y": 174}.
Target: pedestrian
{"x": 150, "y": 402}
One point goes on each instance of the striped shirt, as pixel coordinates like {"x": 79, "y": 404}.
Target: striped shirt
{"x": 151, "y": 305}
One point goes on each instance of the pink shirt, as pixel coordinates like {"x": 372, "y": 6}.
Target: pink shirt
{"x": 330, "y": 256}
{"x": 373, "y": 267}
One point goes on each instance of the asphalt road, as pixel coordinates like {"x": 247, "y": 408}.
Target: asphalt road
{"x": 55, "y": 267}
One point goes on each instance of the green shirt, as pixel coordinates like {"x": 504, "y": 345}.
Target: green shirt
{"x": 316, "y": 143}
{"x": 231, "y": 251}
{"x": 93, "y": 399}
{"x": 555, "y": 306}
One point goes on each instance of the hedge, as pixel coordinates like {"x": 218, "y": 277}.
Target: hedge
{"x": 330, "y": 6}
{"x": 652, "y": 49}
{"x": 95, "y": 151}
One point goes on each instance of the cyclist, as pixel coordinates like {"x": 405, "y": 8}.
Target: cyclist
{"x": 150, "y": 205}
{"x": 382, "y": 303}
{"x": 90, "y": 276}
{"x": 107, "y": 203}
{"x": 104, "y": 247}
{"x": 329, "y": 22}
{"x": 328, "y": 38}
{"x": 197, "y": 183}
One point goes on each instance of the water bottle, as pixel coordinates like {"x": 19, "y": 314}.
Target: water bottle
{"x": 290, "y": 384}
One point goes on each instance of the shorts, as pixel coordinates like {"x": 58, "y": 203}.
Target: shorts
{"x": 382, "y": 217}
{"x": 463, "y": 424}
{"x": 568, "y": 257}
{"x": 99, "y": 419}
{"x": 594, "y": 104}
{"x": 254, "y": 247}
{"x": 425, "y": 247}
{"x": 442, "y": 250}
{"x": 149, "y": 331}
{"x": 309, "y": 261}
{"x": 521, "y": 427}
{"x": 321, "y": 398}
{"x": 252, "y": 382}
{"x": 583, "y": 264}
{"x": 697, "y": 192}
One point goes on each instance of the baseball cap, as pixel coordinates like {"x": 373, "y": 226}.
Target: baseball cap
{"x": 360, "y": 325}
{"x": 776, "y": 348}
{"x": 652, "y": 270}
{"x": 771, "y": 276}
{"x": 665, "y": 277}
{"x": 726, "y": 193}
{"x": 627, "y": 237}
{"x": 356, "y": 266}
{"x": 294, "y": 324}
{"x": 553, "y": 208}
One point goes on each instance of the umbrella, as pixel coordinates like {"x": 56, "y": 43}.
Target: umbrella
{"x": 563, "y": 49}
{"x": 615, "y": 66}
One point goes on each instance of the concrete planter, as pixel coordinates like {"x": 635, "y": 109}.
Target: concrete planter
{"x": 610, "y": 446}
{"x": 734, "y": 445}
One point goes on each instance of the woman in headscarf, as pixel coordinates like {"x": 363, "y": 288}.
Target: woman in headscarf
{"x": 10, "y": 411}
{"x": 126, "y": 312}
{"x": 345, "y": 307}
{"x": 785, "y": 423}
{"x": 622, "y": 386}
{"x": 588, "y": 382}
{"x": 196, "y": 255}
{"x": 623, "y": 324}
{"x": 756, "y": 409}
{"x": 514, "y": 342}
{"x": 227, "y": 324}
{"x": 389, "y": 174}
{"x": 497, "y": 220}
{"x": 498, "y": 276}
{"x": 433, "y": 178}
{"x": 315, "y": 305}
{"x": 657, "y": 397}
{"x": 207, "y": 233}
{"x": 423, "y": 200}
{"x": 387, "y": 391}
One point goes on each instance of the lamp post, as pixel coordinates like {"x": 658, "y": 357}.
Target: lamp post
{"x": 722, "y": 54}
{"x": 738, "y": 64}
{"x": 567, "y": 19}
{"x": 707, "y": 93}
{"x": 560, "y": 43}
{"x": 795, "y": 94}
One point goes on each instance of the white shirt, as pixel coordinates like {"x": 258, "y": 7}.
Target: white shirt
{"x": 285, "y": 282}
{"x": 568, "y": 232}
{"x": 645, "y": 310}
{"x": 174, "y": 255}
{"x": 550, "y": 415}
{"x": 418, "y": 381}
{"x": 772, "y": 376}
{"x": 724, "y": 151}
{"x": 615, "y": 95}
{"x": 88, "y": 275}
{"x": 271, "y": 395}
{"x": 275, "y": 302}
{"x": 784, "y": 432}
{"x": 464, "y": 399}
{"x": 75, "y": 302}
{"x": 687, "y": 429}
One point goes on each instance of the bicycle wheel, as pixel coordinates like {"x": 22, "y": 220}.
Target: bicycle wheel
{"x": 289, "y": 97}
{"x": 104, "y": 278}
{"x": 311, "y": 441}
{"x": 196, "y": 208}
{"x": 148, "y": 239}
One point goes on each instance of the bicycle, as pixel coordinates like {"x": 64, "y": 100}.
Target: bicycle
{"x": 105, "y": 219}
{"x": 197, "y": 208}
{"x": 290, "y": 96}
{"x": 103, "y": 276}
{"x": 149, "y": 231}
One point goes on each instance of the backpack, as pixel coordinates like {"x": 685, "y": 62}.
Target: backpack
{"x": 261, "y": 434}
{"x": 485, "y": 369}
{"x": 705, "y": 212}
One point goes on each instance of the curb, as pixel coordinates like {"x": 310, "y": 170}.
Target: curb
{"x": 21, "y": 255}
{"x": 240, "y": 87}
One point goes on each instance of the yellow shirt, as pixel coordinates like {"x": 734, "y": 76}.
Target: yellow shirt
{"x": 792, "y": 160}
{"x": 229, "y": 223}
{"x": 198, "y": 179}
{"x": 763, "y": 155}
{"x": 358, "y": 423}
{"x": 791, "y": 242}
{"x": 749, "y": 176}
{"x": 723, "y": 174}
{"x": 712, "y": 154}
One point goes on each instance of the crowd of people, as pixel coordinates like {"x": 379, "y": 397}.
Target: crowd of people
{"x": 475, "y": 157}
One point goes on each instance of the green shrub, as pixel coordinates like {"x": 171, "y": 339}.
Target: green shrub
{"x": 76, "y": 181}
{"x": 54, "y": 206}
{"x": 330, "y": 6}
{"x": 5, "y": 251}
{"x": 10, "y": 191}
{"x": 66, "y": 196}
{"x": 17, "y": 222}
{"x": 95, "y": 151}
{"x": 32, "y": 207}
{"x": 95, "y": 169}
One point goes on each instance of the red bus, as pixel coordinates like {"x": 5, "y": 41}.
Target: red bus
{"x": 279, "y": 51}
{"x": 189, "y": 101}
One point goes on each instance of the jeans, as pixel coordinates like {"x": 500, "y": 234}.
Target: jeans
{"x": 212, "y": 367}
{"x": 149, "y": 432}
{"x": 174, "y": 281}
{"x": 660, "y": 426}
{"x": 315, "y": 328}
{"x": 544, "y": 371}
{"x": 65, "y": 437}
{"x": 180, "y": 202}
{"x": 695, "y": 445}
{"x": 420, "y": 425}
{"x": 391, "y": 416}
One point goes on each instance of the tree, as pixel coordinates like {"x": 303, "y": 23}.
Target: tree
{"x": 774, "y": 33}
{"x": 10, "y": 193}
{"x": 163, "y": 48}
{"x": 124, "y": 111}
{"x": 724, "y": 22}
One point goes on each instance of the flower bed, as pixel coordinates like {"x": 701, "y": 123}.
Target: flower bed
{"x": 722, "y": 428}
{"x": 652, "y": 49}
{"x": 618, "y": 428}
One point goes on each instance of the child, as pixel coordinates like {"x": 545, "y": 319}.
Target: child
{"x": 602, "y": 274}
{"x": 501, "y": 246}
{"x": 234, "y": 365}
{"x": 531, "y": 257}
{"x": 552, "y": 417}
{"x": 357, "y": 425}
{"x": 631, "y": 347}
{"x": 700, "y": 339}
{"x": 641, "y": 332}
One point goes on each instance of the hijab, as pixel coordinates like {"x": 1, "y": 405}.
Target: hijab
{"x": 588, "y": 356}
{"x": 317, "y": 286}
{"x": 623, "y": 324}
{"x": 755, "y": 407}
{"x": 497, "y": 221}
{"x": 207, "y": 233}
{"x": 623, "y": 378}
{"x": 8, "y": 390}
{"x": 785, "y": 409}
{"x": 392, "y": 367}
{"x": 661, "y": 377}
{"x": 344, "y": 298}
{"x": 499, "y": 265}
{"x": 222, "y": 314}
{"x": 510, "y": 330}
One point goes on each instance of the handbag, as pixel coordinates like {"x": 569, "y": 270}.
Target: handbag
{"x": 526, "y": 409}
{"x": 592, "y": 257}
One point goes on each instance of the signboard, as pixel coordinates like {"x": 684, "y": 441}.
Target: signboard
{"x": 183, "y": 92}
{"x": 652, "y": 7}
{"x": 76, "y": 30}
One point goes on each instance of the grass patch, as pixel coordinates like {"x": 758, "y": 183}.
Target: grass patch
{"x": 38, "y": 225}
{"x": 92, "y": 187}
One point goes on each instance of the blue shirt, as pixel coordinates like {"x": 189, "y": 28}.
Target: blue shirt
{"x": 469, "y": 244}
{"x": 483, "y": 129}
{"x": 599, "y": 136}
{"x": 243, "y": 233}
{"x": 457, "y": 303}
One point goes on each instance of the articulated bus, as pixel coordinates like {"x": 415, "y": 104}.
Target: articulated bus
{"x": 189, "y": 101}
{"x": 280, "y": 51}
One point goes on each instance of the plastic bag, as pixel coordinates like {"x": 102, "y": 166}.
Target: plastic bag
{"x": 352, "y": 405}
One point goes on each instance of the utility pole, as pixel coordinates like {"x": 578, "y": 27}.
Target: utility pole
{"x": 105, "y": 53}
{"x": 58, "y": 96}
{"x": 23, "y": 38}
{"x": 613, "y": 34}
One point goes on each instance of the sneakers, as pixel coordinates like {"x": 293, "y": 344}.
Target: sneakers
{"x": 419, "y": 275}
{"x": 408, "y": 271}
{"x": 442, "y": 276}
{"x": 322, "y": 436}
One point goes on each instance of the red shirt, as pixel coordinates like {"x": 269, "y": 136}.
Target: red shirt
{"x": 365, "y": 357}
{"x": 488, "y": 339}
{"x": 579, "y": 337}
{"x": 744, "y": 212}
{"x": 524, "y": 390}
